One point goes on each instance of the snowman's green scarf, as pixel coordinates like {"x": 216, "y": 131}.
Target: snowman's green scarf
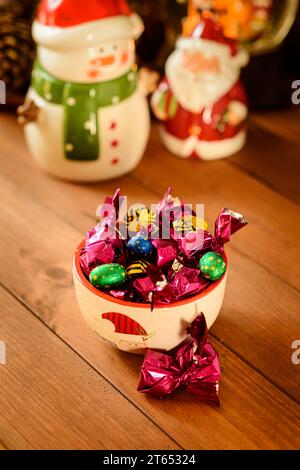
{"x": 81, "y": 103}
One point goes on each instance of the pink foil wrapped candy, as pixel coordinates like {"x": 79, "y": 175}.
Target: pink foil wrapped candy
{"x": 197, "y": 243}
{"x": 99, "y": 252}
{"x": 187, "y": 282}
{"x": 106, "y": 229}
{"x": 194, "y": 367}
{"x": 167, "y": 251}
{"x": 143, "y": 287}
{"x": 162, "y": 294}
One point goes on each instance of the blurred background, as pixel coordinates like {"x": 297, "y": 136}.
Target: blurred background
{"x": 269, "y": 29}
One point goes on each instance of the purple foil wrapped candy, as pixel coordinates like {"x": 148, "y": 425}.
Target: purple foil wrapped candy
{"x": 162, "y": 294}
{"x": 226, "y": 225}
{"x": 194, "y": 367}
{"x": 122, "y": 295}
{"x": 143, "y": 287}
{"x": 168, "y": 209}
{"x": 167, "y": 251}
{"x": 106, "y": 229}
{"x": 100, "y": 252}
{"x": 197, "y": 243}
{"x": 187, "y": 282}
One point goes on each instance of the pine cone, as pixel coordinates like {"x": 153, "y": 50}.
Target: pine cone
{"x": 17, "y": 49}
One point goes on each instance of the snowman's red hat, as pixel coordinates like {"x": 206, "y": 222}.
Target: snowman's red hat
{"x": 208, "y": 36}
{"x": 66, "y": 24}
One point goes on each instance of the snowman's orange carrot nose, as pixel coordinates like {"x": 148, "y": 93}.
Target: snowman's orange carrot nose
{"x": 100, "y": 61}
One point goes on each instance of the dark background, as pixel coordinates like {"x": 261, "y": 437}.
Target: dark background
{"x": 267, "y": 78}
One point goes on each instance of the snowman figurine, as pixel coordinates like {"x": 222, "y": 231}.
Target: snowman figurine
{"x": 86, "y": 116}
{"x": 201, "y": 99}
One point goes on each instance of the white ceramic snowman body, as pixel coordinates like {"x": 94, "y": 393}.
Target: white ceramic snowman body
{"x": 121, "y": 127}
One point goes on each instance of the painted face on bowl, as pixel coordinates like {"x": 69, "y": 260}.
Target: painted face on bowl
{"x": 102, "y": 62}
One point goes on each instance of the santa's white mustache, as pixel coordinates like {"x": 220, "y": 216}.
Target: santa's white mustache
{"x": 226, "y": 72}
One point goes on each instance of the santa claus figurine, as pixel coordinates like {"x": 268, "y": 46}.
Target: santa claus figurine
{"x": 201, "y": 99}
{"x": 86, "y": 116}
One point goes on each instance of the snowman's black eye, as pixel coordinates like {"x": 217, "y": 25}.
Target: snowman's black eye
{"x": 115, "y": 47}
{"x": 101, "y": 50}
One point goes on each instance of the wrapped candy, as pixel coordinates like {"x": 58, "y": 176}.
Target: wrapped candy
{"x": 196, "y": 243}
{"x": 193, "y": 367}
{"x": 167, "y": 251}
{"x": 143, "y": 287}
{"x": 191, "y": 223}
{"x": 187, "y": 282}
{"x": 121, "y": 294}
{"x": 99, "y": 252}
{"x": 162, "y": 293}
{"x": 226, "y": 225}
{"x": 169, "y": 258}
{"x": 164, "y": 261}
{"x": 108, "y": 275}
{"x": 212, "y": 266}
{"x": 139, "y": 218}
{"x": 107, "y": 229}
{"x": 137, "y": 269}
{"x": 101, "y": 241}
{"x": 140, "y": 245}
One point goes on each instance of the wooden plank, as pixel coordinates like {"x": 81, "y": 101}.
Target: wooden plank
{"x": 11, "y": 437}
{"x": 284, "y": 123}
{"x": 56, "y": 400}
{"x": 250, "y": 404}
{"x": 252, "y": 313}
{"x": 259, "y": 321}
{"x": 272, "y": 159}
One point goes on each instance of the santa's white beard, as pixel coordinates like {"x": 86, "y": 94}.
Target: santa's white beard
{"x": 197, "y": 91}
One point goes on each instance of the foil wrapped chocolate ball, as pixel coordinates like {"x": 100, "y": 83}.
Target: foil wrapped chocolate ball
{"x": 107, "y": 276}
{"x": 139, "y": 245}
{"x": 137, "y": 269}
{"x": 212, "y": 266}
{"x": 139, "y": 218}
{"x": 190, "y": 223}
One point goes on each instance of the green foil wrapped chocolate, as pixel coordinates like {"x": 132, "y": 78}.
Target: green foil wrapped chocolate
{"x": 212, "y": 266}
{"x": 107, "y": 276}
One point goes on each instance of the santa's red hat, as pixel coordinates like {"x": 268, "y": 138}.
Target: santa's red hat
{"x": 69, "y": 24}
{"x": 208, "y": 36}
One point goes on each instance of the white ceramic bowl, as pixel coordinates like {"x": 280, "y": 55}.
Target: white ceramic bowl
{"x": 132, "y": 326}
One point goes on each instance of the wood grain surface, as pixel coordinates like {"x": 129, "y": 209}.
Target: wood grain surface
{"x": 64, "y": 387}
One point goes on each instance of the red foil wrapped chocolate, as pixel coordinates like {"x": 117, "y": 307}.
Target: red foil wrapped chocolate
{"x": 194, "y": 367}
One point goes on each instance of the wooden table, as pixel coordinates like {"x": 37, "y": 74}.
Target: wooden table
{"x": 64, "y": 387}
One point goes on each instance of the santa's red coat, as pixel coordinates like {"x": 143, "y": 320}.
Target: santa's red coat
{"x": 209, "y": 124}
